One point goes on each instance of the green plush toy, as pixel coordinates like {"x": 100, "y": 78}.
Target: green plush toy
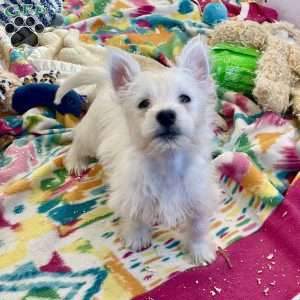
{"x": 234, "y": 67}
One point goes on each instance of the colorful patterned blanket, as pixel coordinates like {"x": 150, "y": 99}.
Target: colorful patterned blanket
{"x": 58, "y": 237}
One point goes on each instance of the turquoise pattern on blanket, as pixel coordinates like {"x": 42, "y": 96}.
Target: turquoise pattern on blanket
{"x": 29, "y": 281}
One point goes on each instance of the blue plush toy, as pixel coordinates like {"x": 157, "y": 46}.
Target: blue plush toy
{"x": 214, "y": 13}
{"x": 43, "y": 94}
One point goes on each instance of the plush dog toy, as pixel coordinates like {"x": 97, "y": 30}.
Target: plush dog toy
{"x": 278, "y": 72}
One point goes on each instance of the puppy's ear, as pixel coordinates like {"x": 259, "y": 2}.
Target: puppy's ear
{"x": 122, "y": 67}
{"x": 195, "y": 58}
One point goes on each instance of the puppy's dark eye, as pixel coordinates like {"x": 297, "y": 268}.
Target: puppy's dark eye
{"x": 184, "y": 99}
{"x": 144, "y": 104}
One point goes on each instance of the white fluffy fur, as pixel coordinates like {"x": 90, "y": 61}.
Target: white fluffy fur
{"x": 152, "y": 179}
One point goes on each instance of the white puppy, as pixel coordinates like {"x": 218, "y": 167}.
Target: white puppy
{"x": 152, "y": 132}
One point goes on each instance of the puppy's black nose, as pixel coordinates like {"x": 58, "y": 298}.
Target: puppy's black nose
{"x": 166, "y": 118}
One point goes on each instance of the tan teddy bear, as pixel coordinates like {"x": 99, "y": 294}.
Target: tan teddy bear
{"x": 278, "y": 72}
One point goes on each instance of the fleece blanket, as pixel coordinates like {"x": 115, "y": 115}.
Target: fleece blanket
{"x": 59, "y": 238}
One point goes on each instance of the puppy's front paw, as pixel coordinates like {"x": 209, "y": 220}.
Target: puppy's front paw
{"x": 76, "y": 168}
{"x": 75, "y": 164}
{"x": 203, "y": 252}
{"x": 137, "y": 239}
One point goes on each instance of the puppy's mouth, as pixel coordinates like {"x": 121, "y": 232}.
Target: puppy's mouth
{"x": 168, "y": 134}
{"x": 167, "y": 139}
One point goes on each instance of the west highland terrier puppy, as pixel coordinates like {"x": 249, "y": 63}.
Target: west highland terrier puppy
{"x": 152, "y": 132}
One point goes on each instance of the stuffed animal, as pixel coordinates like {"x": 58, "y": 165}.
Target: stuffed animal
{"x": 42, "y": 77}
{"x": 214, "y": 13}
{"x": 278, "y": 72}
{"x": 43, "y": 94}
{"x": 9, "y": 82}
{"x": 18, "y": 96}
{"x": 46, "y": 12}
